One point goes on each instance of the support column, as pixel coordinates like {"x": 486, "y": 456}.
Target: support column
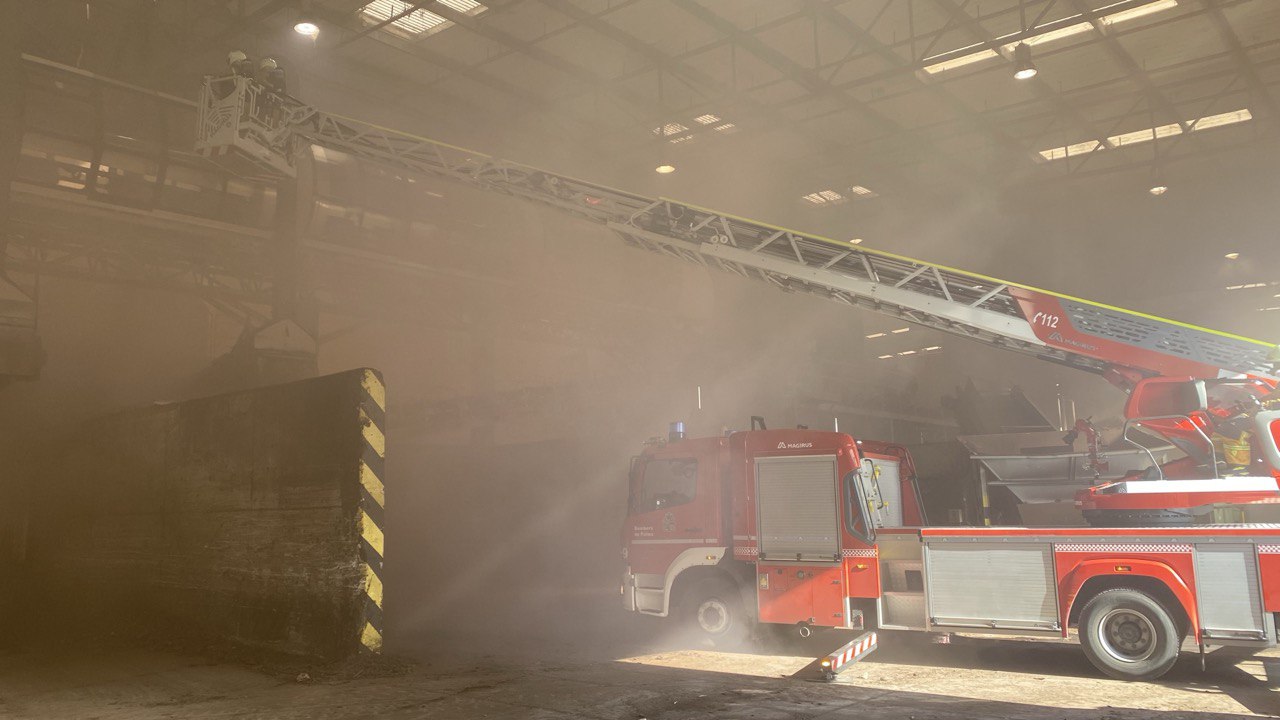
{"x": 20, "y": 353}
{"x": 284, "y": 349}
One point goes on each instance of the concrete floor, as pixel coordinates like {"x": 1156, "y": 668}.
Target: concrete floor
{"x": 907, "y": 678}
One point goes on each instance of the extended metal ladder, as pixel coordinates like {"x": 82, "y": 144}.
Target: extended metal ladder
{"x": 240, "y": 121}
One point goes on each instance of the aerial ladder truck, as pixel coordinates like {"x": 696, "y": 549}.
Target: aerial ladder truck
{"x": 817, "y": 529}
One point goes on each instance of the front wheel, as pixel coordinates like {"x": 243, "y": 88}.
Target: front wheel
{"x": 1129, "y": 635}
{"x": 713, "y": 610}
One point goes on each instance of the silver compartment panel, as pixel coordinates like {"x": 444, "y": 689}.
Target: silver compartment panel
{"x": 1017, "y": 589}
{"x": 1228, "y": 591}
{"x": 797, "y": 501}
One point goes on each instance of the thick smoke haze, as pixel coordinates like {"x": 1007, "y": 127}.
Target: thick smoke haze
{"x": 528, "y": 355}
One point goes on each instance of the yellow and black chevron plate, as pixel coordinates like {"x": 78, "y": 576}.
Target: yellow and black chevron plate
{"x": 373, "y": 407}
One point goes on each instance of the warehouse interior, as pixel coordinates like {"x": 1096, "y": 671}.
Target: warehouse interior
{"x": 354, "y": 440}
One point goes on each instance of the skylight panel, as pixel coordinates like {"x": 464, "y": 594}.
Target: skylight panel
{"x": 1135, "y": 13}
{"x": 671, "y": 128}
{"x": 1139, "y": 136}
{"x": 823, "y": 198}
{"x": 466, "y": 7}
{"x": 707, "y": 119}
{"x": 726, "y": 128}
{"x": 1053, "y": 35}
{"x": 1049, "y": 36}
{"x": 681, "y": 139}
{"x": 863, "y": 192}
{"x": 411, "y": 22}
{"x": 961, "y": 61}
{"x": 1228, "y": 118}
{"x": 1081, "y": 148}
{"x": 1149, "y": 134}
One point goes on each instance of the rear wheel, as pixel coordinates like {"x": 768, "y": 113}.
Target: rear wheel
{"x": 1129, "y": 635}
{"x": 713, "y": 610}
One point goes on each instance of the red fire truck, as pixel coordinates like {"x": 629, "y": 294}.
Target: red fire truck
{"x": 816, "y": 529}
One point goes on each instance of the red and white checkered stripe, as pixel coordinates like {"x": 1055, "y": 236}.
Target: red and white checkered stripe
{"x": 746, "y": 551}
{"x": 1269, "y": 549}
{"x": 1122, "y": 548}
{"x": 852, "y": 652}
{"x": 858, "y": 553}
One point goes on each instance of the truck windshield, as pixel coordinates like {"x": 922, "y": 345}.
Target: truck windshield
{"x": 666, "y": 483}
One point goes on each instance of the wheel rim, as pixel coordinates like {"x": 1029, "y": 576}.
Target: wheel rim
{"x": 713, "y": 616}
{"x": 1127, "y": 635}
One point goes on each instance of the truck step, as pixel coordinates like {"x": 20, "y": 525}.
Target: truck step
{"x": 848, "y": 654}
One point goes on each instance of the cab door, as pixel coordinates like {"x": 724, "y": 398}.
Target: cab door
{"x": 675, "y": 511}
{"x": 860, "y": 497}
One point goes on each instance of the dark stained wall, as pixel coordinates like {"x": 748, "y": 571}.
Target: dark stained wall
{"x": 230, "y": 518}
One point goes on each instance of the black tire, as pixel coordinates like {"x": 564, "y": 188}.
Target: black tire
{"x": 713, "y": 611}
{"x": 1129, "y": 635}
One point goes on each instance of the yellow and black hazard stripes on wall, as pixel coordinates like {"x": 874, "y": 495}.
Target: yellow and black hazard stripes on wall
{"x": 373, "y": 460}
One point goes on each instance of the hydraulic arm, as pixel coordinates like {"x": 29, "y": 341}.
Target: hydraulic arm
{"x": 241, "y": 120}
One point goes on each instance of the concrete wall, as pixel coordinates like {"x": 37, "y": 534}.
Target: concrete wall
{"x": 251, "y": 517}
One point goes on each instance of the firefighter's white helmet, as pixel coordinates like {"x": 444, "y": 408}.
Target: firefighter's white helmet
{"x": 268, "y": 64}
{"x": 236, "y": 56}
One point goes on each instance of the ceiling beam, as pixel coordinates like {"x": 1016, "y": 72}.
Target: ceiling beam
{"x": 1156, "y": 99}
{"x": 1232, "y": 41}
{"x": 973, "y": 120}
{"x": 638, "y": 106}
{"x": 809, "y": 79}
{"x": 1037, "y": 84}
{"x": 702, "y": 82}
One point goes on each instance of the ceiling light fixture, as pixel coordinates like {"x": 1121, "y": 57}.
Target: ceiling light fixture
{"x": 305, "y": 24}
{"x": 1158, "y": 190}
{"x": 1232, "y": 256}
{"x": 1023, "y": 68}
{"x": 665, "y": 169}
